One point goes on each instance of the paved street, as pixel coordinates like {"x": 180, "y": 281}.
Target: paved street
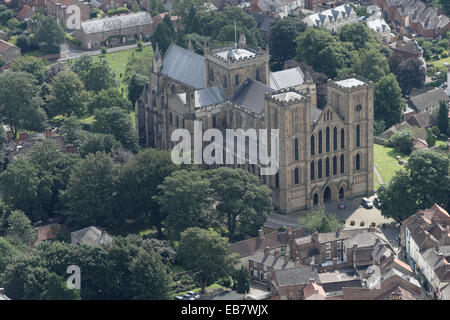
{"x": 275, "y": 221}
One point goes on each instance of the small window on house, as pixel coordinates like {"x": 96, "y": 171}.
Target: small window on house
{"x": 339, "y": 244}
{"x": 328, "y": 255}
{"x": 328, "y": 245}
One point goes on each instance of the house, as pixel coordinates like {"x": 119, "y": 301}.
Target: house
{"x": 415, "y": 17}
{"x": 332, "y": 19}
{"x": 90, "y": 236}
{"x": 116, "y": 30}
{"x": 289, "y": 283}
{"x": 376, "y": 23}
{"x": 274, "y": 241}
{"x": 426, "y": 239}
{"x": 25, "y": 13}
{"x": 391, "y": 286}
{"x": 263, "y": 263}
{"x": 59, "y": 9}
{"x": 48, "y": 232}
{"x": 427, "y": 101}
{"x": 334, "y": 281}
{"x": 3, "y": 295}
{"x": 416, "y": 131}
{"x": 35, "y": 5}
{"x": 9, "y": 52}
{"x": 263, "y": 22}
{"x": 314, "y": 291}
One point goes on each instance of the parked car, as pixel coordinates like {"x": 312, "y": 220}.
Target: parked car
{"x": 191, "y": 295}
{"x": 178, "y": 298}
{"x": 366, "y": 203}
{"x": 377, "y": 203}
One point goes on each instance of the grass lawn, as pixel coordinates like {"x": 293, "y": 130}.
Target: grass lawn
{"x": 440, "y": 63}
{"x": 441, "y": 143}
{"x": 386, "y": 163}
{"x": 118, "y": 63}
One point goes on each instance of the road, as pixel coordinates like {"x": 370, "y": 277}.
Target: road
{"x": 275, "y": 221}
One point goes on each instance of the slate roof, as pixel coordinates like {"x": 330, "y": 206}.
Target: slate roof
{"x": 206, "y": 97}
{"x": 262, "y": 21}
{"x": 116, "y": 23}
{"x": 330, "y": 16}
{"x": 90, "y": 236}
{"x": 314, "y": 114}
{"x": 250, "y": 95}
{"x": 296, "y": 276}
{"x": 5, "y": 45}
{"x": 184, "y": 66}
{"x": 422, "y": 120}
{"x": 270, "y": 261}
{"x": 428, "y": 99}
{"x": 286, "y": 78}
{"x": 365, "y": 239}
{"x": 272, "y": 240}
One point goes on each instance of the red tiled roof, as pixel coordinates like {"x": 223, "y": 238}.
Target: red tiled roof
{"x": 313, "y": 288}
{"x": 402, "y": 264}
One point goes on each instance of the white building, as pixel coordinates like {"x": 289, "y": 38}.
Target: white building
{"x": 333, "y": 19}
{"x": 377, "y": 24}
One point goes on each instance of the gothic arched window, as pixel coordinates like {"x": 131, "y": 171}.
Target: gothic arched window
{"x": 320, "y": 141}
{"x": 296, "y": 176}
{"x": 358, "y": 138}
{"x": 312, "y": 171}
{"x": 334, "y": 165}
{"x": 327, "y": 167}
{"x": 327, "y": 139}
{"x": 319, "y": 169}
{"x": 296, "y": 149}
{"x": 335, "y": 138}
{"x": 342, "y": 164}
{"x": 342, "y": 139}
{"x": 358, "y": 162}
{"x": 312, "y": 145}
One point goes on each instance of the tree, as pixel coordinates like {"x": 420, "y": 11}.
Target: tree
{"x": 378, "y": 127}
{"x": 283, "y": 33}
{"x": 70, "y": 128}
{"x": 49, "y": 34}
{"x": 2, "y": 137}
{"x": 322, "y": 51}
{"x": 242, "y": 201}
{"x": 136, "y": 86}
{"x": 108, "y": 99}
{"x": 56, "y": 289}
{"x": 442, "y": 118}
{"x": 207, "y": 252}
{"x": 91, "y": 143}
{"x": 23, "y": 186}
{"x": 117, "y": 122}
{"x": 388, "y": 101}
{"x": 89, "y": 196}
{"x": 7, "y": 253}
{"x": 20, "y": 103}
{"x": 431, "y": 139}
{"x": 138, "y": 184}
{"x": 150, "y": 278}
{"x": 162, "y": 37}
{"x": 156, "y": 7}
{"x": 411, "y": 74}
{"x": 318, "y": 220}
{"x": 96, "y": 75}
{"x": 20, "y": 231}
{"x": 242, "y": 280}
{"x": 67, "y": 95}
{"x": 369, "y": 63}
{"x": 32, "y": 65}
{"x": 402, "y": 141}
{"x": 186, "y": 200}
{"x": 358, "y": 34}
{"x": 425, "y": 181}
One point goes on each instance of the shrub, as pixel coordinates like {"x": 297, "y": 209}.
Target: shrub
{"x": 402, "y": 141}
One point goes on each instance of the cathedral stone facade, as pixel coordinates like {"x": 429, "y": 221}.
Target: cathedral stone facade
{"x": 325, "y": 155}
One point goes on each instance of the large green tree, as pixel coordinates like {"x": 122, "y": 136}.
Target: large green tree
{"x": 33, "y": 65}
{"x": 138, "y": 184}
{"x": 186, "y": 201}
{"x": 67, "y": 95}
{"x": 243, "y": 203}
{"x": 136, "y": 86}
{"x": 283, "y": 33}
{"x": 20, "y": 231}
{"x": 388, "y": 100}
{"x": 442, "y": 118}
{"x": 95, "y": 74}
{"x": 89, "y": 196}
{"x": 207, "y": 252}
{"x": 425, "y": 181}
{"x": 20, "y": 105}
{"x": 116, "y": 121}
{"x": 56, "y": 289}
{"x": 49, "y": 34}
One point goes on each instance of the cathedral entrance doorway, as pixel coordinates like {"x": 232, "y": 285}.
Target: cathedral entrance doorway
{"x": 341, "y": 193}
{"x": 316, "y": 199}
{"x": 327, "y": 195}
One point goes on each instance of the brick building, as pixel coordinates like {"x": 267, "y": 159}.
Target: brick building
{"x": 116, "y": 30}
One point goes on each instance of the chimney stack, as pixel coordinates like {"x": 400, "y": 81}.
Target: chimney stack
{"x": 315, "y": 236}
{"x": 276, "y": 255}
{"x": 286, "y": 258}
{"x": 261, "y": 234}
{"x": 266, "y": 251}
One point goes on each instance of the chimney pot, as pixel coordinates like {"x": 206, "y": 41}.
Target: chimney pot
{"x": 261, "y": 234}
{"x": 286, "y": 258}
{"x": 276, "y": 255}
{"x": 266, "y": 251}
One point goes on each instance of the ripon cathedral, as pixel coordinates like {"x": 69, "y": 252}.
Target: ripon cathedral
{"x": 325, "y": 154}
